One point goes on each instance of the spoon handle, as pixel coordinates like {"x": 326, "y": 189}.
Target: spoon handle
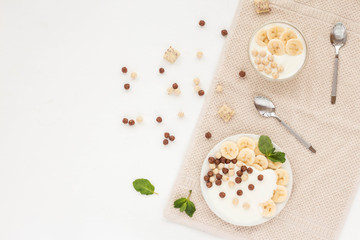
{"x": 334, "y": 83}
{"x": 297, "y": 136}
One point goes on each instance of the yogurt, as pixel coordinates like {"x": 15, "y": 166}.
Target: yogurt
{"x": 291, "y": 64}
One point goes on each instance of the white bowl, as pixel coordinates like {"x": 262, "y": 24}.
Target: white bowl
{"x": 236, "y": 215}
{"x": 297, "y": 62}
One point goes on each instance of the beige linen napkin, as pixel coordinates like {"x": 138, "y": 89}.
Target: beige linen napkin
{"x": 325, "y": 182}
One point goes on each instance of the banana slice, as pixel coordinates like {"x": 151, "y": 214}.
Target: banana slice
{"x": 247, "y": 156}
{"x": 261, "y": 38}
{"x": 287, "y": 35}
{"x": 274, "y": 165}
{"x": 245, "y": 142}
{"x": 276, "y": 47}
{"x": 257, "y": 167}
{"x": 229, "y": 150}
{"x": 274, "y": 32}
{"x": 282, "y": 177}
{"x": 280, "y": 194}
{"x": 268, "y": 208}
{"x": 294, "y": 47}
{"x": 257, "y": 150}
{"x": 261, "y": 161}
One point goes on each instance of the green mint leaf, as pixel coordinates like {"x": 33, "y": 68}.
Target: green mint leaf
{"x": 179, "y": 202}
{"x": 144, "y": 186}
{"x": 277, "y": 157}
{"x": 265, "y": 145}
{"x": 190, "y": 209}
{"x": 183, "y": 207}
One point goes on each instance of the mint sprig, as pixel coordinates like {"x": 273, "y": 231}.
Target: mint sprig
{"x": 144, "y": 186}
{"x": 185, "y": 205}
{"x": 267, "y": 148}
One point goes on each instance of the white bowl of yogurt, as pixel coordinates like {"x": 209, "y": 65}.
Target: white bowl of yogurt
{"x": 278, "y": 51}
{"x": 245, "y": 209}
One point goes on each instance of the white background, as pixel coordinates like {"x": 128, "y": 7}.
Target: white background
{"x": 67, "y": 161}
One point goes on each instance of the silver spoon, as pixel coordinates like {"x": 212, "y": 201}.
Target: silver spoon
{"x": 267, "y": 109}
{"x": 337, "y": 38}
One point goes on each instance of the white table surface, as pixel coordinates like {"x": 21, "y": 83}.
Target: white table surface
{"x": 67, "y": 162}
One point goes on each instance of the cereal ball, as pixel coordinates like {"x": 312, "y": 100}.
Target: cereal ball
{"x": 273, "y": 64}
{"x": 262, "y": 53}
{"x": 177, "y": 92}
{"x": 133, "y": 75}
{"x": 280, "y": 68}
{"x": 257, "y": 60}
{"x": 212, "y": 166}
{"x": 268, "y": 70}
{"x": 235, "y": 201}
{"x": 212, "y": 179}
{"x": 170, "y": 90}
{"x": 199, "y": 54}
{"x": 260, "y": 68}
{"x": 139, "y": 119}
{"x": 181, "y": 114}
{"x": 231, "y": 184}
{"x": 265, "y": 62}
{"x": 196, "y": 81}
{"x": 197, "y": 88}
{"x": 270, "y": 58}
{"x": 218, "y": 155}
{"x": 244, "y": 177}
{"x": 220, "y": 166}
{"x": 254, "y": 52}
{"x": 246, "y": 205}
{"x": 275, "y": 75}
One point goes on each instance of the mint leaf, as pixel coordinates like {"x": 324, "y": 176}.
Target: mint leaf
{"x": 144, "y": 186}
{"x": 178, "y": 203}
{"x": 190, "y": 209}
{"x": 267, "y": 148}
{"x": 185, "y": 205}
{"x": 265, "y": 145}
{"x": 277, "y": 157}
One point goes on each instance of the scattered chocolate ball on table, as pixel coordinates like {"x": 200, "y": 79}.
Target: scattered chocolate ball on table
{"x": 125, "y": 121}
{"x": 242, "y": 74}
{"x": 208, "y": 135}
{"x": 224, "y": 32}
{"x": 172, "y": 138}
{"x": 201, "y": 93}
{"x": 131, "y": 122}
{"x": 124, "y": 70}
{"x": 159, "y": 119}
{"x": 161, "y": 70}
{"x": 165, "y": 142}
{"x": 175, "y": 86}
{"x": 127, "y": 86}
{"x": 202, "y": 23}
{"x": 166, "y": 135}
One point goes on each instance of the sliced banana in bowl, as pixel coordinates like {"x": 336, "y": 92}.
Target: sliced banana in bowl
{"x": 284, "y": 44}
